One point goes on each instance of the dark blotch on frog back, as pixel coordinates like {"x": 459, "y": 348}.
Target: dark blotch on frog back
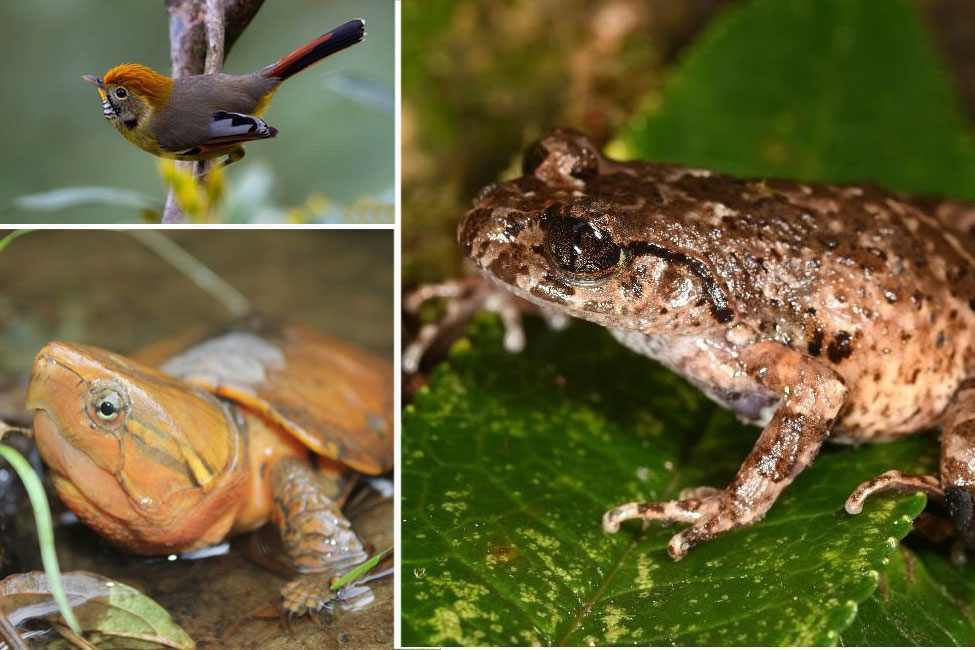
{"x": 841, "y": 347}
{"x": 815, "y": 346}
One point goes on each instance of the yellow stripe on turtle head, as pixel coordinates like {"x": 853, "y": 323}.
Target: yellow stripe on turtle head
{"x": 173, "y": 453}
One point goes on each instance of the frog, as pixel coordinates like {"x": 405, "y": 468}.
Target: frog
{"x": 818, "y": 312}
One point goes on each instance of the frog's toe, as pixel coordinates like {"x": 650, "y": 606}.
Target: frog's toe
{"x": 464, "y": 298}
{"x": 709, "y": 511}
{"x": 307, "y": 593}
{"x": 895, "y": 480}
{"x": 958, "y": 553}
{"x": 681, "y": 543}
{"x": 683, "y": 511}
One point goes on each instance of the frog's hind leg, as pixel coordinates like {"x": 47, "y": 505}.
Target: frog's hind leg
{"x": 956, "y": 486}
{"x": 317, "y": 537}
{"x": 896, "y": 481}
{"x": 812, "y": 395}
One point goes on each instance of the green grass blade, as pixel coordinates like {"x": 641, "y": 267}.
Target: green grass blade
{"x": 359, "y": 571}
{"x": 6, "y": 241}
{"x": 45, "y": 530}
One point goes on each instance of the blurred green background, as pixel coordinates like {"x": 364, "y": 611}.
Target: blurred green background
{"x": 336, "y": 120}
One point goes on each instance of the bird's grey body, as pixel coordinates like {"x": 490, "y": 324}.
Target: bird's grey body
{"x": 187, "y": 119}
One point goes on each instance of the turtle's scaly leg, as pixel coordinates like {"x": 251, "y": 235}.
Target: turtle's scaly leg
{"x": 318, "y": 538}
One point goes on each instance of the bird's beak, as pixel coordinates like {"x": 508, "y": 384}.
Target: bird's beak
{"x": 93, "y": 80}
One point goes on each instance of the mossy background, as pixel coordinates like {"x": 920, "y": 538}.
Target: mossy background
{"x": 333, "y": 141}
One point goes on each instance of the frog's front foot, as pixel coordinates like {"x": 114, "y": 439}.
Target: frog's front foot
{"x": 709, "y": 511}
{"x": 464, "y": 297}
{"x": 812, "y": 395}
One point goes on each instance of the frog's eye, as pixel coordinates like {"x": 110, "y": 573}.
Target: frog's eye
{"x": 107, "y": 406}
{"x": 581, "y": 249}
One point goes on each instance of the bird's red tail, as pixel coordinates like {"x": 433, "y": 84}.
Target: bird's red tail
{"x": 325, "y": 45}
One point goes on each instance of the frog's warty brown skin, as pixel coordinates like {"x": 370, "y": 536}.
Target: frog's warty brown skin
{"x": 816, "y": 311}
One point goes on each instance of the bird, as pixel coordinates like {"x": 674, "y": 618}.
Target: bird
{"x": 202, "y": 117}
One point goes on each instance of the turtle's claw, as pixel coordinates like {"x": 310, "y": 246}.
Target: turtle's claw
{"x": 308, "y": 593}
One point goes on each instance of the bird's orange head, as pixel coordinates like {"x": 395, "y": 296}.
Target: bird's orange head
{"x": 130, "y": 92}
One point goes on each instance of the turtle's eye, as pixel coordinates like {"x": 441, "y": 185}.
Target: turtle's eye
{"x": 581, "y": 249}
{"x": 107, "y": 406}
{"x": 121, "y": 93}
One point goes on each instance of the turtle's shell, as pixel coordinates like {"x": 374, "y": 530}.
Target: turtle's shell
{"x": 335, "y": 398}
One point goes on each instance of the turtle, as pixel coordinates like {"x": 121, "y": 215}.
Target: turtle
{"x": 216, "y": 433}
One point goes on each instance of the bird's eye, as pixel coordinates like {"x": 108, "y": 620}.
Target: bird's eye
{"x": 121, "y": 93}
{"x": 107, "y": 405}
{"x": 581, "y": 249}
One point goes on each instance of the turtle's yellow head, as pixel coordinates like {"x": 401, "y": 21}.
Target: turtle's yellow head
{"x": 129, "y": 447}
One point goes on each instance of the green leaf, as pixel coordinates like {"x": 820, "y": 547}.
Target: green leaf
{"x": 509, "y": 462}
{"x": 832, "y": 90}
{"x": 922, "y": 600}
{"x": 74, "y": 197}
{"x": 110, "y": 613}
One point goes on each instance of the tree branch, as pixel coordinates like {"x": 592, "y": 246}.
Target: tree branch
{"x": 201, "y": 33}
{"x": 215, "y": 17}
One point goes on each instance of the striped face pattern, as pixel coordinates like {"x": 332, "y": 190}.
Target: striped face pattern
{"x": 107, "y": 109}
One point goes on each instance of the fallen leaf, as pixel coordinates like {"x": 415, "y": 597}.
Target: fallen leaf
{"x": 112, "y": 614}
